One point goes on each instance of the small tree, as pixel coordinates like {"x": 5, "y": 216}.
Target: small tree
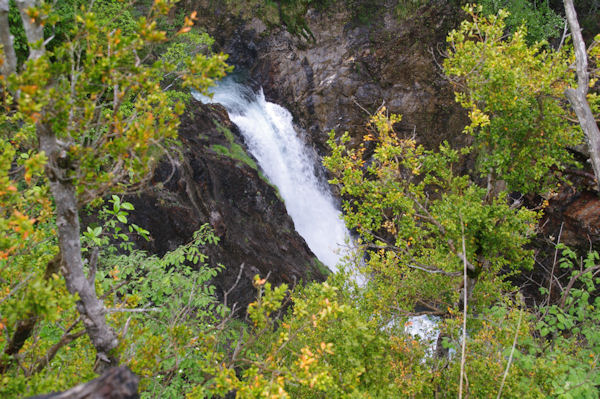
{"x": 93, "y": 112}
{"x": 513, "y": 92}
{"x": 412, "y": 213}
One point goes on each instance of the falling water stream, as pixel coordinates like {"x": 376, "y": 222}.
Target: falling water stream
{"x": 289, "y": 164}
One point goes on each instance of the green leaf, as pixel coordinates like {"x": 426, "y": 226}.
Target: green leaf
{"x": 128, "y": 206}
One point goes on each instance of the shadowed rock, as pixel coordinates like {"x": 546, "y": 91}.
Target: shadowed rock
{"x": 215, "y": 181}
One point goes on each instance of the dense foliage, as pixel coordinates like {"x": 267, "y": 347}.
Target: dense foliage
{"x": 513, "y": 92}
{"x": 542, "y": 22}
{"x": 82, "y": 117}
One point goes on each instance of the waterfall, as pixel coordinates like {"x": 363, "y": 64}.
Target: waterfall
{"x": 288, "y": 164}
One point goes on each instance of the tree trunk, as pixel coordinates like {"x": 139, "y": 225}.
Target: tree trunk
{"x": 89, "y": 306}
{"x": 577, "y": 97}
{"x": 6, "y": 39}
{"x": 116, "y": 383}
{"x": 34, "y": 31}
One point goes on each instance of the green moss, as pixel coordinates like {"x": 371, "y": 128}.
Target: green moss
{"x": 225, "y": 131}
{"x": 237, "y": 152}
{"x": 320, "y": 266}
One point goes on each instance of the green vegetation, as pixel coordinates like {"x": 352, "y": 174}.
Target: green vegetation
{"x": 89, "y": 116}
{"x": 81, "y": 118}
{"x": 542, "y": 22}
{"x": 234, "y": 150}
{"x": 514, "y": 94}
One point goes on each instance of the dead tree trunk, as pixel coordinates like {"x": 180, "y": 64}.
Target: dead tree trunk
{"x": 34, "y": 30}
{"x": 91, "y": 309}
{"x": 58, "y": 170}
{"x": 6, "y": 39}
{"x": 116, "y": 383}
{"x": 577, "y": 97}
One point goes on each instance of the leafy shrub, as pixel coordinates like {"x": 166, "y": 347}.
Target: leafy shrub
{"x": 541, "y": 21}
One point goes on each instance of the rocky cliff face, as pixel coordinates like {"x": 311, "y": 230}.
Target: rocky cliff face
{"x": 351, "y": 70}
{"x": 213, "y": 182}
{"x": 331, "y": 83}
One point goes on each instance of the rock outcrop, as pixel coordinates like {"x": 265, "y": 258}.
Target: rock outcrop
{"x": 208, "y": 184}
{"x": 350, "y": 70}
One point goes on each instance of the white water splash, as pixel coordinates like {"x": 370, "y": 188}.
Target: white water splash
{"x": 289, "y": 165}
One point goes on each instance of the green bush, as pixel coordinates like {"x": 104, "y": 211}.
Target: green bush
{"x": 542, "y": 22}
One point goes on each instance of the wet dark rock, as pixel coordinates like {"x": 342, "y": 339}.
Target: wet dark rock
{"x": 575, "y": 217}
{"x": 204, "y": 186}
{"x": 351, "y": 70}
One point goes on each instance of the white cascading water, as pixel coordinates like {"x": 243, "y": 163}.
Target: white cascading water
{"x": 288, "y": 164}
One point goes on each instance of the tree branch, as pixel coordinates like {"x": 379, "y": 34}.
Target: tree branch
{"x": 577, "y": 97}
{"x": 512, "y": 352}
{"x": 66, "y": 339}
{"x": 6, "y": 39}
{"x": 116, "y": 383}
{"x": 464, "y": 329}
{"x": 34, "y": 30}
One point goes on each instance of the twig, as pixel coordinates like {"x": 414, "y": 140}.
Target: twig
{"x": 16, "y": 288}
{"x": 435, "y": 271}
{"x": 360, "y": 106}
{"x": 572, "y": 282}
{"x": 464, "y": 332}
{"x": 137, "y": 310}
{"x": 237, "y": 280}
{"x": 113, "y": 289}
{"x": 554, "y": 261}
{"x": 512, "y": 351}
{"x": 65, "y": 339}
{"x": 125, "y": 328}
{"x": 564, "y": 35}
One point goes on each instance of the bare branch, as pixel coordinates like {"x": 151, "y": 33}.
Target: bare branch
{"x": 435, "y": 271}
{"x": 564, "y": 35}
{"x": 116, "y": 383}
{"x": 237, "y": 280}
{"x": 464, "y": 328}
{"x": 16, "y": 288}
{"x": 577, "y": 97}
{"x": 64, "y": 340}
{"x": 573, "y": 280}
{"x": 554, "y": 263}
{"x": 125, "y": 328}
{"x": 512, "y": 351}
{"x": 136, "y": 310}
